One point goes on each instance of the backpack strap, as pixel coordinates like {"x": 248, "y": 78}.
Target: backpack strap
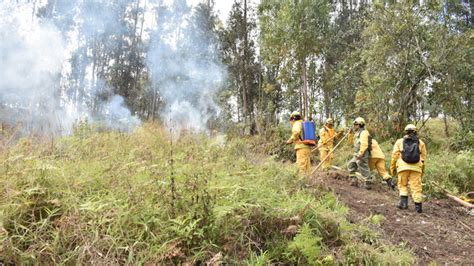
{"x": 369, "y": 147}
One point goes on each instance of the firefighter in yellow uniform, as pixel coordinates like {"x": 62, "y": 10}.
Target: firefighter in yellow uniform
{"x": 408, "y": 160}
{"x": 303, "y": 151}
{"x": 377, "y": 161}
{"x": 326, "y": 143}
{"x": 360, "y": 159}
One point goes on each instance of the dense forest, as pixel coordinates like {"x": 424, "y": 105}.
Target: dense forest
{"x": 389, "y": 62}
{"x": 153, "y": 131}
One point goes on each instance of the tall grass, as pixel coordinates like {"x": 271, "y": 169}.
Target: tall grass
{"x": 142, "y": 198}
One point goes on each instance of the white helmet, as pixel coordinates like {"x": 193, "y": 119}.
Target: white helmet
{"x": 359, "y": 121}
{"x": 410, "y": 127}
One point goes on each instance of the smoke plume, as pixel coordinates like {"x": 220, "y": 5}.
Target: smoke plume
{"x": 35, "y": 62}
{"x": 58, "y": 61}
{"x": 185, "y": 66}
{"x": 31, "y": 58}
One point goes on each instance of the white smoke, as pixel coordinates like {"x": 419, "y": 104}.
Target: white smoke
{"x": 185, "y": 67}
{"x": 117, "y": 115}
{"x": 31, "y": 58}
{"x": 35, "y": 60}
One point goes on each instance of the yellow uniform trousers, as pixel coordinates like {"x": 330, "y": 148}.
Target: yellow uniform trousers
{"x": 379, "y": 165}
{"x": 414, "y": 179}
{"x": 303, "y": 160}
{"x": 323, "y": 152}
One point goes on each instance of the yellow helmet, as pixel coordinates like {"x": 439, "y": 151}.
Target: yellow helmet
{"x": 359, "y": 121}
{"x": 410, "y": 127}
{"x": 295, "y": 114}
{"x": 329, "y": 121}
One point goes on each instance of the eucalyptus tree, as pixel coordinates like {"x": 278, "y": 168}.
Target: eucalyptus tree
{"x": 238, "y": 45}
{"x": 293, "y": 35}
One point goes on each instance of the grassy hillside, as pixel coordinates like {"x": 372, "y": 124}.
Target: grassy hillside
{"x": 118, "y": 198}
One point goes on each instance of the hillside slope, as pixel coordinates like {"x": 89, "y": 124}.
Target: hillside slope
{"x": 113, "y": 198}
{"x": 443, "y": 233}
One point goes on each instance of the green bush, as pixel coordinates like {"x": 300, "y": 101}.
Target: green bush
{"x": 462, "y": 141}
{"x": 273, "y": 143}
{"x": 452, "y": 171}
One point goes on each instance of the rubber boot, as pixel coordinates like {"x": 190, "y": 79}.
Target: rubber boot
{"x": 418, "y": 207}
{"x": 390, "y": 183}
{"x": 354, "y": 182}
{"x": 403, "y": 204}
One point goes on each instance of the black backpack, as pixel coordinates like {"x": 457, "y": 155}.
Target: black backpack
{"x": 411, "y": 149}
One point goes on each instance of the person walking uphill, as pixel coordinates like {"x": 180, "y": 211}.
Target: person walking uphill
{"x": 303, "y": 151}
{"x": 326, "y": 143}
{"x": 360, "y": 160}
{"x": 408, "y": 159}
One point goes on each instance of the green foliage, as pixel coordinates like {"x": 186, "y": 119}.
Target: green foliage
{"x": 259, "y": 260}
{"x": 376, "y": 219}
{"x": 307, "y": 244}
{"x": 416, "y": 57}
{"x": 343, "y": 66}
{"x": 292, "y": 37}
{"x": 462, "y": 141}
{"x": 272, "y": 142}
{"x": 451, "y": 170}
{"x": 364, "y": 254}
{"x": 239, "y": 54}
{"x": 395, "y": 41}
{"x": 142, "y": 198}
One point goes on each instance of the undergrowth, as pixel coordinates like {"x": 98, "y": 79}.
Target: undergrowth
{"x": 113, "y": 198}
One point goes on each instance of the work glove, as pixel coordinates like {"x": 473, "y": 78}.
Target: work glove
{"x": 342, "y": 131}
{"x": 390, "y": 183}
{"x": 289, "y": 141}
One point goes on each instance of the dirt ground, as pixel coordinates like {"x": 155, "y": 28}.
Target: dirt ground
{"x": 443, "y": 233}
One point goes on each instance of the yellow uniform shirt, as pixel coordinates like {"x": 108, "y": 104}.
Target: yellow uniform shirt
{"x": 361, "y": 142}
{"x": 326, "y": 136}
{"x": 376, "y": 151}
{"x": 397, "y": 162}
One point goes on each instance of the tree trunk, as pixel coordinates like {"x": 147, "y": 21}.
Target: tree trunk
{"x": 301, "y": 100}
{"x": 244, "y": 73}
{"x": 446, "y": 128}
{"x": 304, "y": 77}
{"x": 93, "y": 87}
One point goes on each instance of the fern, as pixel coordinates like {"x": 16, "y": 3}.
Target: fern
{"x": 307, "y": 244}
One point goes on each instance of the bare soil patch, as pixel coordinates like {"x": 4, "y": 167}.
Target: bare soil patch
{"x": 443, "y": 233}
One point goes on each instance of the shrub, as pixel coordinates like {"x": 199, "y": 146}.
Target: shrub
{"x": 453, "y": 171}
{"x": 462, "y": 141}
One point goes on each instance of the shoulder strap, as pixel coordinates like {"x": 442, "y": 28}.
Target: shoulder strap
{"x": 301, "y": 130}
{"x": 369, "y": 148}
